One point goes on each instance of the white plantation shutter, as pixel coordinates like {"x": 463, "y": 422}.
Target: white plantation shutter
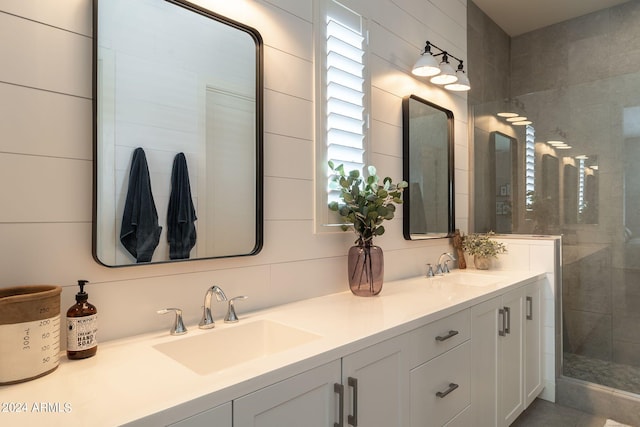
{"x": 342, "y": 115}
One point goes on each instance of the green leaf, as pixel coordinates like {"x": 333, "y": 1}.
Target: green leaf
{"x": 372, "y": 170}
{"x": 379, "y": 231}
{"x": 331, "y": 164}
{"x": 333, "y": 206}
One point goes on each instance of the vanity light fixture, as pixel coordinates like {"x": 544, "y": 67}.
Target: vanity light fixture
{"x": 441, "y": 73}
{"x": 463, "y": 81}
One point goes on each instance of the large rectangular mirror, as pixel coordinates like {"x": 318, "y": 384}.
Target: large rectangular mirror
{"x": 178, "y": 133}
{"x": 428, "y": 167}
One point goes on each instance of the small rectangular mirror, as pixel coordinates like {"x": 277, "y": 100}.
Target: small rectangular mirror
{"x": 428, "y": 168}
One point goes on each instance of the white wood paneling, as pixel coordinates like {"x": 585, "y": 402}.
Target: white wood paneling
{"x": 44, "y": 189}
{"x": 37, "y": 122}
{"x": 295, "y": 194}
{"x": 279, "y": 150}
{"x": 44, "y": 57}
{"x": 75, "y": 16}
{"x": 288, "y": 115}
{"x": 288, "y": 73}
{"x": 41, "y": 183}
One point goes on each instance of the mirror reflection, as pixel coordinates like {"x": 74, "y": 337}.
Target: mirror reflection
{"x": 428, "y": 168}
{"x": 178, "y": 142}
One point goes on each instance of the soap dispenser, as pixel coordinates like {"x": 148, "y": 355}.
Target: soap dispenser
{"x": 82, "y": 325}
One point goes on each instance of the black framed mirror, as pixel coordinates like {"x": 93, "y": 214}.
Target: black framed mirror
{"x": 428, "y": 168}
{"x": 178, "y": 133}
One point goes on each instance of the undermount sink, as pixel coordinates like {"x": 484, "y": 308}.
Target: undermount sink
{"x": 224, "y": 348}
{"x": 471, "y": 279}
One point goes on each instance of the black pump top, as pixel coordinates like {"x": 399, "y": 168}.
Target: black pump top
{"x": 82, "y": 296}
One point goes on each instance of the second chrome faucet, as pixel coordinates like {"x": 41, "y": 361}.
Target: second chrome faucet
{"x": 207, "y": 321}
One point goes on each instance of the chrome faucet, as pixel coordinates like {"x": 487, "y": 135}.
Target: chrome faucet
{"x": 207, "y": 319}
{"x": 442, "y": 266}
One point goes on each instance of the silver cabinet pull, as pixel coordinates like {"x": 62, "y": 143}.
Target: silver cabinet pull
{"x": 353, "y": 419}
{"x": 529, "y": 308}
{"x": 451, "y": 334}
{"x": 507, "y": 314}
{"x": 339, "y": 389}
{"x": 443, "y": 394}
{"x": 501, "y": 316}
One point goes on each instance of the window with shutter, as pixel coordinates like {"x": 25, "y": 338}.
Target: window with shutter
{"x": 341, "y": 100}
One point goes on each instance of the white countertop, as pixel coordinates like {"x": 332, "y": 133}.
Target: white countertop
{"x": 128, "y": 379}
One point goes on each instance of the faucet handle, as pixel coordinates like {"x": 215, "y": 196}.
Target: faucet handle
{"x": 439, "y": 270}
{"x": 430, "y": 272}
{"x": 231, "y": 316}
{"x": 445, "y": 267}
{"x": 178, "y": 325}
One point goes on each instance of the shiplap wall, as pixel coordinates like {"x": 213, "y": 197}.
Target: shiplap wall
{"x": 46, "y": 159}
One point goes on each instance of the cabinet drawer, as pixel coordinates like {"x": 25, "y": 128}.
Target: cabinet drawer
{"x": 440, "y": 388}
{"x": 438, "y": 337}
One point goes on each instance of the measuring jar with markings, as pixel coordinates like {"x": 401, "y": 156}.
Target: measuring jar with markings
{"x": 29, "y": 332}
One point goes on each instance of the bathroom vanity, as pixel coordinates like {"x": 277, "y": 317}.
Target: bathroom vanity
{"x": 457, "y": 350}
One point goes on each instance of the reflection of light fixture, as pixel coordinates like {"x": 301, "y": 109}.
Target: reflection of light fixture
{"x": 563, "y": 147}
{"x": 516, "y": 118}
{"x": 511, "y": 108}
{"x": 522, "y": 123}
{"x": 441, "y": 73}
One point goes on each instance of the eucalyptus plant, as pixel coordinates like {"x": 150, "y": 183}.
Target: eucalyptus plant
{"x": 481, "y": 245}
{"x": 366, "y": 202}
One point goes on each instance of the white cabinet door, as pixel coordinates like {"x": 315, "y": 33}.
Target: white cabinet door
{"x": 533, "y": 345}
{"x": 485, "y": 361}
{"x": 512, "y": 358}
{"x": 220, "y": 416}
{"x": 376, "y": 381}
{"x": 496, "y": 360}
{"x": 309, "y": 399}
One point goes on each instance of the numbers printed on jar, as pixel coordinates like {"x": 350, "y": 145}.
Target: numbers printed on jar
{"x": 26, "y": 340}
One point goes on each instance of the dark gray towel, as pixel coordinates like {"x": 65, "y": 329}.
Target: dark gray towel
{"x": 140, "y": 233}
{"x": 181, "y": 230}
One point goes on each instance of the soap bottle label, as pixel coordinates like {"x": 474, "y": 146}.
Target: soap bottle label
{"x": 81, "y": 332}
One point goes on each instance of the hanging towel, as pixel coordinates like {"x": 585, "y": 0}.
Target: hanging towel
{"x": 181, "y": 230}
{"x": 140, "y": 232}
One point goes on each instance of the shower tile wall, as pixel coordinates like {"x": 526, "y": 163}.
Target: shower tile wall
{"x": 573, "y": 77}
{"x": 582, "y": 78}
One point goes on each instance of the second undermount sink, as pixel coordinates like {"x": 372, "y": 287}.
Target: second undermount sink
{"x": 224, "y": 348}
{"x": 471, "y": 279}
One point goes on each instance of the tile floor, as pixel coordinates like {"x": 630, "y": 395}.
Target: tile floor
{"x": 542, "y": 413}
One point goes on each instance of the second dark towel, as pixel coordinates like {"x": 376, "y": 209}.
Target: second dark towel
{"x": 181, "y": 215}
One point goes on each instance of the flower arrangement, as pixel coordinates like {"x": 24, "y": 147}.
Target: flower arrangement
{"x": 366, "y": 202}
{"x": 481, "y": 245}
